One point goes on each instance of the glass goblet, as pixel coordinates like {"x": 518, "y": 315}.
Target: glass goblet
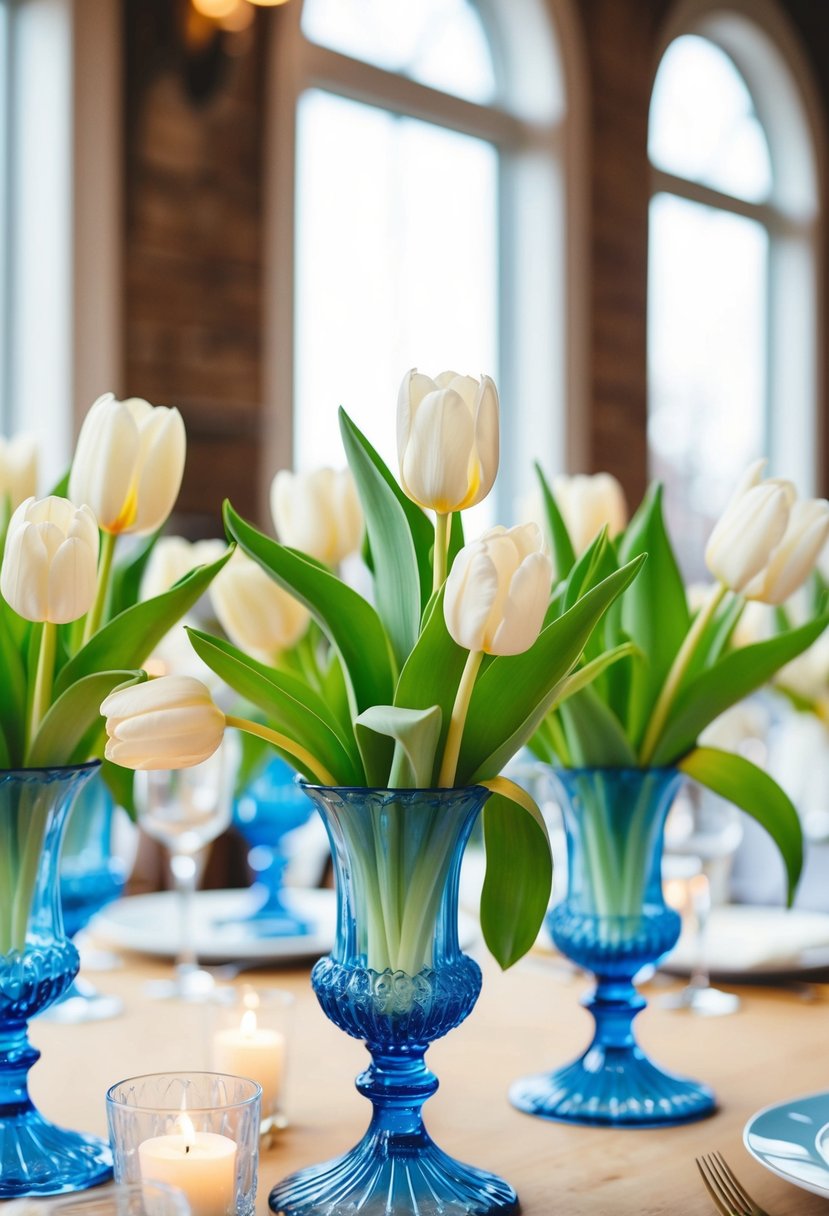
{"x": 184, "y": 810}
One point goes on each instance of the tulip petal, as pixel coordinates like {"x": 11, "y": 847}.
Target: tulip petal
{"x": 746, "y": 534}
{"x": 73, "y": 578}
{"x": 487, "y": 441}
{"x": 103, "y": 466}
{"x": 160, "y": 470}
{"x": 794, "y": 558}
{"x": 141, "y": 698}
{"x": 525, "y": 607}
{"x": 435, "y": 470}
{"x": 413, "y": 389}
{"x": 471, "y": 590}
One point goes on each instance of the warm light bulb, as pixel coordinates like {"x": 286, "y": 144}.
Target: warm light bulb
{"x": 248, "y": 1023}
{"x": 267, "y": 3}
{"x": 215, "y": 8}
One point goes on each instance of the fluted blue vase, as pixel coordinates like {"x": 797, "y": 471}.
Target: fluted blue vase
{"x": 271, "y": 806}
{"x": 613, "y": 922}
{"x": 37, "y": 964}
{"x": 397, "y": 979}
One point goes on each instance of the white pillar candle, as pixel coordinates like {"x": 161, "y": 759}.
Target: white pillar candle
{"x": 253, "y": 1051}
{"x": 201, "y": 1164}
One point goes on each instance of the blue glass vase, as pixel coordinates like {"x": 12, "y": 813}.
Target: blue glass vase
{"x": 397, "y": 979}
{"x": 613, "y": 922}
{"x": 37, "y": 965}
{"x": 91, "y": 877}
{"x": 271, "y": 806}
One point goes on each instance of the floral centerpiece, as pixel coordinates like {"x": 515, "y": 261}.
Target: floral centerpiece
{"x": 400, "y": 729}
{"x": 621, "y": 746}
{"x": 71, "y": 630}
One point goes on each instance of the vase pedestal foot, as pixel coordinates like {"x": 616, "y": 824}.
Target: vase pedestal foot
{"x": 38, "y": 1158}
{"x": 378, "y": 1177}
{"x": 613, "y": 1087}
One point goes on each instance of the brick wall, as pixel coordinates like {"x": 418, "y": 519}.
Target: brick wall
{"x": 194, "y": 225}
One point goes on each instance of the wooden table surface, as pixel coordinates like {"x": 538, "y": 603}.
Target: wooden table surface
{"x": 526, "y": 1020}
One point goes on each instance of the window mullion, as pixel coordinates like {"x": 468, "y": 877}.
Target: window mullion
{"x": 325, "y": 69}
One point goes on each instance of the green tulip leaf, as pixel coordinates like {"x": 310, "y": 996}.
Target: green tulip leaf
{"x": 585, "y": 574}
{"x": 74, "y": 717}
{"x": 350, "y": 623}
{"x": 13, "y": 694}
{"x": 415, "y": 733}
{"x": 120, "y": 782}
{"x": 753, "y": 790}
{"x": 595, "y": 736}
{"x": 433, "y": 672}
{"x": 127, "y": 572}
{"x": 564, "y": 555}
{"x": 732, "y": 678}
{"x": 654, "y": 612}
{"x": 129, "y": 638}
{"x": 515, "y": 692}
{"x": 519, "y": 872}
{"x": 289, "y": 704}
{"x": 397, "y": 582}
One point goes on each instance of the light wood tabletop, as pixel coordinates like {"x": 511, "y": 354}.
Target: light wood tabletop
{"x": 526, "y": 1020}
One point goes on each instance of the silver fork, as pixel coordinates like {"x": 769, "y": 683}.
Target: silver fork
{"x": 729, "y": 1196}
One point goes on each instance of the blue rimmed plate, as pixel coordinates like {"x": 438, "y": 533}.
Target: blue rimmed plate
{"x": 792, "y": 1140}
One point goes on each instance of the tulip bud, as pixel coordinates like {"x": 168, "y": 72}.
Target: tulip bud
{"x": 129, "y": 463}
{"x": 807, "y": 675}
{"x": 318, "y": 512}
{"x": 50, "y": 563}
{"x": 166, "y": 723}
{"x": 173, "y": 557}
{"x": 587, "y": 503}
{"x": 258, "y": 615}
{"x": 447, "y": 439}
{"x": 498, "y": 591}
{"x": 794, "y": 558}
{"x": 18, "y": 468}
{"x": 751, "y": 526}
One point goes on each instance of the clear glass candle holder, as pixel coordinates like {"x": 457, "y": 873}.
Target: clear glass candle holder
{"x": 249, "y": 1034}
{"x": 129, "y": 1199}
{"x": 197, "y": 1131}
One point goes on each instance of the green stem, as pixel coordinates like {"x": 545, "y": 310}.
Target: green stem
{"x": 44, "y": 677}
{"x": 301, "y": 754}
{"x": 32, "y": 818}
{"x": 558, "y": 739}
{"x": 449, "y": 764}
{"x": 96, "y": 612}
{"x": 439, "y": 558}
{"x": 678, "y": 668}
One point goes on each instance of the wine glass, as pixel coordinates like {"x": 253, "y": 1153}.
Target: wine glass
{"x": 705, "y": 831}
{"x": 185, "y": 809}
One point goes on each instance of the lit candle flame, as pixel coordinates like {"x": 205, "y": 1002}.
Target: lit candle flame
{"x": 186, "y": 1129}
{"x": 248, "y": 1024}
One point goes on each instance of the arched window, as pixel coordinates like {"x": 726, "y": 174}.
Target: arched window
{"x": 732, "y": 295}
{"x": 417, "y": 206}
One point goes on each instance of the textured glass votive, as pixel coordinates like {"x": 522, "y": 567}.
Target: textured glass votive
{"x": 249, "y": 1035}
{"x": 198, "y": 1131}
{"x": 129, "y": 1199}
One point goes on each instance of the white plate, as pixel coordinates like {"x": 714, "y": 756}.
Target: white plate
{"x": 750, "y": 941}
{"x": 792, "y": 1140}
{"x": 150, "y": 925}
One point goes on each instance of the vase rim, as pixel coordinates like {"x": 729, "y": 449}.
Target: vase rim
{"x": 664, "y": 769}
{"x": 254, "y": 1092}
{"x": 50, "y": 768}
{"x": 392, "y": 789}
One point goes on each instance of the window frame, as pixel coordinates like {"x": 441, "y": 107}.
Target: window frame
{"x": 758, "y": 40}
{"x": 542, "y": 330}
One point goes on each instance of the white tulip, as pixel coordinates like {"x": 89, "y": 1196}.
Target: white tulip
{"x": 168, "y": 723}
{"x": 766, "y": 543}
{"x": 18, "y": 468}
{"x": 50, "y": 563}
{"x": 447, "y": 439}
{"x": 588, "y": 503}
{"x": 794, "y": 558}
{"x": 318, "y": 512}
{"x": 129, "y": 463}
{"x": 258, "y": 615}
{"x": 807, "y": 675}
{"x": 498, "y": 591}
{"x": 173, "y": 557}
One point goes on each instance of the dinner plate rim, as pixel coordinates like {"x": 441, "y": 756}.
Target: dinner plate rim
{"x": 810, "y": 959}
{"x": 814, "y": 1189}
